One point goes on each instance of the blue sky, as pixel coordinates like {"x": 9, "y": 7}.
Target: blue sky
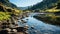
{"x": 24, "y": 3}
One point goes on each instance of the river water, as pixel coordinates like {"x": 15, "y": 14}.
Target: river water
{"x": 40, "y": 27}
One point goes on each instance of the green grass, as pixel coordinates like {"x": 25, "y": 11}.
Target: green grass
{"x": 4, "y": 15}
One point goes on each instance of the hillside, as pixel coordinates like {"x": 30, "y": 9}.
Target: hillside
{"x": 45, "y": 4}
{"x": 52, "y": 10}
{"x": 7, "y": 3}
{"x": 7, "y": 10}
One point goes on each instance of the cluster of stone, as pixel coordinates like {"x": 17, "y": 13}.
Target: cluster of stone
{"x": 13, "y": 28}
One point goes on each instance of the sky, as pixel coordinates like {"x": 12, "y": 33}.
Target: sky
{"x": 24, "y": 3}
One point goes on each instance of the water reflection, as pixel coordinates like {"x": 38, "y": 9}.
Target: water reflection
{"x": 38, "y": 27}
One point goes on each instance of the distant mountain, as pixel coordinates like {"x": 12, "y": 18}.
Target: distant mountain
{"x": 23, "y": 8}
{"x": 45, "y": 4}
{"x": 7, "y": 3}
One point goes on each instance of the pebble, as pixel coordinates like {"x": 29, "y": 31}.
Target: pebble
{"x": 14, "y": 30}
{"x": 26, "y": 27}
{"x": 8, "y": 29}
{"x": 26, "y": 32}
{"x": 20, "y": 33}
{"x": 36, "y": 31}
{"x": 32, "y": 27}
{"x": 23, "y": 21}
{"x": 26, "y": 19}
{"x": 46, "y": 33}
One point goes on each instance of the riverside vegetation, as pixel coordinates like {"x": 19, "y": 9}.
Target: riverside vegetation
{"x": 10, "y": 14}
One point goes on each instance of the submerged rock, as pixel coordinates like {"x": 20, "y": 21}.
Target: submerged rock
{"x": 32, "y": 27}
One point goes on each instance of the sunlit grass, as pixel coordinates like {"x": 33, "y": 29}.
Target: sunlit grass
{"x": 52, "y": 16}
{"x": 53, "y": 10}
{"x": 4, "y": 16}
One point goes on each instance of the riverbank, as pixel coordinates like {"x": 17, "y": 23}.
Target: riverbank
{"x": 11, "y": 26}
{"x": 49, "y": 20}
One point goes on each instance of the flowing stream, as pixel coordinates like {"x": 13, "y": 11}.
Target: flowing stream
{"x": 40, "y": 27}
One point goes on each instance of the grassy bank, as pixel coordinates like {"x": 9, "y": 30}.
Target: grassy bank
{"x": 54, "y": 20}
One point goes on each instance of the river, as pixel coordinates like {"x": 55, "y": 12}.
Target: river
{"x": 40, "y": 27}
